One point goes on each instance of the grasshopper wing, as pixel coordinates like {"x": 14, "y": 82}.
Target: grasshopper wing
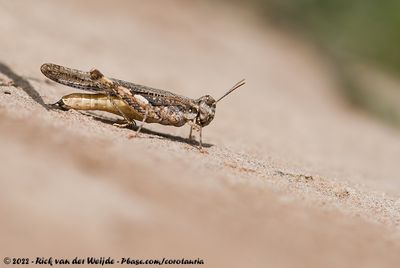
{"x": 156, "y": 97}
{"x": 69, "y": 77}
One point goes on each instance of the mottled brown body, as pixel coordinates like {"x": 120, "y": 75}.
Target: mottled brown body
{"x": 132, "y": 101}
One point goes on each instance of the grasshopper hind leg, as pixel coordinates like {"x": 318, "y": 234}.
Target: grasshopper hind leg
{"x": 125, "y": 124}
{"x": 129, "y": 123}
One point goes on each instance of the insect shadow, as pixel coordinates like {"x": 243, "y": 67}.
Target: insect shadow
{"x": 174, "y": 138}
{"x": 22, "y": 83}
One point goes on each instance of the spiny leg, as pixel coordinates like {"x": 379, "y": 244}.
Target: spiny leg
{"x": 109, "y": 86}
{"x": 123, "y": 93}
{"x": 129, "y": 123}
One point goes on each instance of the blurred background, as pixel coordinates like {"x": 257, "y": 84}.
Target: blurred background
{"x": 361, "y": 39}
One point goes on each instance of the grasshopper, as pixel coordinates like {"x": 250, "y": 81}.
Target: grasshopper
{"x": 133, "y": 101}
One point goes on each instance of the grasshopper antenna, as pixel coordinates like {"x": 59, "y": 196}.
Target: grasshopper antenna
{"x": 237, "y": 85}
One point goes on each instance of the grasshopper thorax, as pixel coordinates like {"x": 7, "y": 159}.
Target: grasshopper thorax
{"x": 206, "y": 110}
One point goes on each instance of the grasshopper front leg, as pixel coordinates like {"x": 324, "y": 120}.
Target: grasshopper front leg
{"x": 193, "y": 125}
{"x": 190, "y": 133}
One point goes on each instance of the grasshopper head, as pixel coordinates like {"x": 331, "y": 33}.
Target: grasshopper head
{"x": 206, "y": 110}
{"x": 207, "y": 104}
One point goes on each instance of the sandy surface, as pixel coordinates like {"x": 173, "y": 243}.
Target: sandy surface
{"x": 291, "y": 175}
